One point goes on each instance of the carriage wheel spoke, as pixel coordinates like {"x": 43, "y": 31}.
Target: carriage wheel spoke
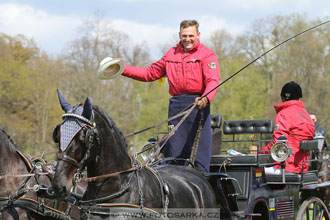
{"x": 314, "y": 210}
{"x": 321, "y": 214}
{"x": 307, "y": 213}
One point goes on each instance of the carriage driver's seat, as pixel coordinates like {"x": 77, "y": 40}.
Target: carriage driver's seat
{"x": 307, "y": 178}
{"x": 216, "y": 122}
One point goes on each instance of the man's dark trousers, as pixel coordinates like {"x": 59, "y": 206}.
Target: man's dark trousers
{"x": 180, "y": 144}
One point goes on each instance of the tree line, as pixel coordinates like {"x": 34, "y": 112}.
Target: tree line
{"x": 29, "y": 77}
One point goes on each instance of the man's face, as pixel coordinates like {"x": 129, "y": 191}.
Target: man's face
{"x": 313, "y": 117}
{"x": 188, "y": 37}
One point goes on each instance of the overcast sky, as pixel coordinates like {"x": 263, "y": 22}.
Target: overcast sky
{"x": 53, "y": 23}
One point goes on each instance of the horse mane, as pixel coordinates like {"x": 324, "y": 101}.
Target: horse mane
{"x": 7, "y": 147}
{"x": 112, "y": 125}
{"x": 4, "y": 136}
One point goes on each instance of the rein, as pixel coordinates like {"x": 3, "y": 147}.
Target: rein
{"x": 91, "y": 179}
{"x": 44, "y": 154}
{"x": 170, "y": 134}
{"x": 22, "y": 175}
{"x": 29, "y": 167}
{"x": 158, "y": 124}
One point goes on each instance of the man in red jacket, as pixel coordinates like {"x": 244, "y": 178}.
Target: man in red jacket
{"x": 294, "y": 122}
{"x": 192, "y": 70}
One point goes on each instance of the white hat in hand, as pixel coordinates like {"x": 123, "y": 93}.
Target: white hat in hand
{"x": 110, "y": 68}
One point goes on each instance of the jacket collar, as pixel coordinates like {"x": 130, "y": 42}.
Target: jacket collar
{"x": 287, "y": 104}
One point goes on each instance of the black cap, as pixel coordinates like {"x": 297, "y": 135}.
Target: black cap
{"x": 291, "y": 91}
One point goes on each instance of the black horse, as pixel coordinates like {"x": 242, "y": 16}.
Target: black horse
{"x": 25, "y": 204}
{"x": 117, "y": 183}
{"x": 10, "y": 163}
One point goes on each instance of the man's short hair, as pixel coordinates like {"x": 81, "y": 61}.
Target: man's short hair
{"x": 189, "y": 23}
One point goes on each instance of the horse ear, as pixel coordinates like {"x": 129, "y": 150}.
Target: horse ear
{"x": 64, "y": 104}
{"x": 88, "y": 109}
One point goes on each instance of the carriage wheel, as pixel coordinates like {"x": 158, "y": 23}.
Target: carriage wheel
{"x": 313, "y": 208}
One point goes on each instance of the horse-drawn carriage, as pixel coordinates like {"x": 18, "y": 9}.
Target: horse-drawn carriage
{"x": 237, "y": 187}
{"x": 252, "y": 193}
{"x": 245, "y": 191}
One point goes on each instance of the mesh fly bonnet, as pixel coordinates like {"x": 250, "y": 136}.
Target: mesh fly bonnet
{"x": 72, "y": 124}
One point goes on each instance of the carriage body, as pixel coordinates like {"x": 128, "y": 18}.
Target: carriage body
{"x": 245, "y": 191}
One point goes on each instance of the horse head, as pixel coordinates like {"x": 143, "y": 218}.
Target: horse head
{"x": 82, "y": 137}
{"x": 71, "y": 135}
{"x": 10, "y": 163}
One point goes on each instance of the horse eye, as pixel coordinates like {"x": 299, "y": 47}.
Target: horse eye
{"x": 56, "y": 133}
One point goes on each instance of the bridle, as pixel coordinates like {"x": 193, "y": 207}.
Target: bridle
{"x": 92, "y": 141}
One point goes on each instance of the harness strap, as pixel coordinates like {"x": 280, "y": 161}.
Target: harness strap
{"x": 35, "y": 207}
{"x": 140, "y": 190}
{"x": 110, "y": 209}
{"x": 67, "y": 158}
{"x": 164, "y": 190}
{"x": 22, "y": 175}
{"x": 26, "y": 161}
{"x": 195, "y": 146}
{"x": 109, "y": 197}
{"x": 82, "y": 118}
{"x": 91, "y": 179}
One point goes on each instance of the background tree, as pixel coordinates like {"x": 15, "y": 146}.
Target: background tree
{"x": 243, "y": 96}
{"x": 25, "y": 93}
{"x": 304, "y": 59}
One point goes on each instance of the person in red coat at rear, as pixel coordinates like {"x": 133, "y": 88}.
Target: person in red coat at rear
{"x": 293, "y": 121}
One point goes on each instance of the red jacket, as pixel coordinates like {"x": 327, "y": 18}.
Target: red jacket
{"x": 293, "y": 121}
{"x": 195, "y": 71}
